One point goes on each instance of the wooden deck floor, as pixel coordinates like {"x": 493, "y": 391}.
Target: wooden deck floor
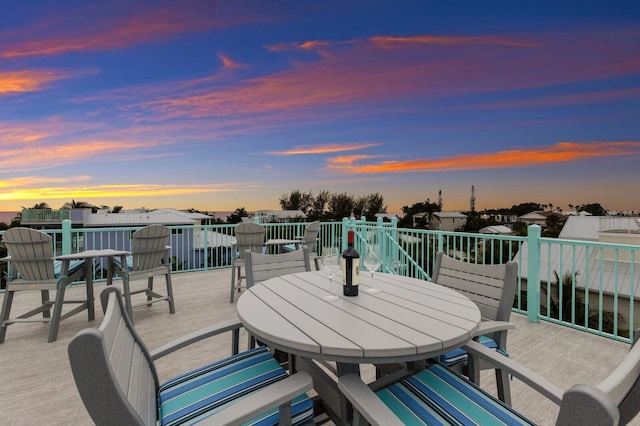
{"x": 36, "y": 386}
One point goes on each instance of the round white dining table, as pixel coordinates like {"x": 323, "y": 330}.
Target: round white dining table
{"x": 408, "y": 320}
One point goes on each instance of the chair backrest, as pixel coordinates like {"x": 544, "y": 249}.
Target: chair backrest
{"x": 113, "y": 371}
{"x": 31, "y": 253}
{"x": 261, "y": 267}
{"x": 149, "y": 247}
{"x": 611, "y": 402}
{"x": 491, "y": 287}
{"x": 310, "y": 237}
{"x": 249, "y": 236}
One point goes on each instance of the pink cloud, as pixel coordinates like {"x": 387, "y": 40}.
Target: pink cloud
{"x": 107, "y": 30}
{"x": 425, "y": 67}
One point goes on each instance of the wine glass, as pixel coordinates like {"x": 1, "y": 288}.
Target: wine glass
{"x": 330, "y": 264}
{"x": 372, "y": 261}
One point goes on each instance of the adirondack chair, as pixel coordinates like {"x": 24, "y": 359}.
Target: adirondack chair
{"x": 117, "y": 379}
{"x": 34, "y": 269}
{"x": 149, "y": 258}
{"x": 249, "y": 236}
{"x": 439, "y": 395}
{"x": 492, "y": 288}
{"x": 310, "y": 239}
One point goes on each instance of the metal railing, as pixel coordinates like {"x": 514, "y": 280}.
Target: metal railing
{"x": 586, "y": 285}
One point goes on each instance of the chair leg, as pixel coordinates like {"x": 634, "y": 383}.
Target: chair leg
{"x": 127, "y": 295}
{"x": 172, "y": 307}
{"x": 504, "y": 388}
{"x": 44, "y": 296}
{"x": 149, "y": 291}
{"x": 57, "y": 313}
{"x": 6, "y": 309}
{"x": 233, "y": 283}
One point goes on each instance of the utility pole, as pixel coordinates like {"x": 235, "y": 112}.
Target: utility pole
{"x": 472, "y": 204}
{"x": 440, "y": 199}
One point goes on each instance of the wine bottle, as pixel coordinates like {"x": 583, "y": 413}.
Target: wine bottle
{"x": 350, "y": 267}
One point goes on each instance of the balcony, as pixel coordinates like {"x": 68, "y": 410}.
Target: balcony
{"x": 563, "y": 345}
{"x": 37, "y": 386}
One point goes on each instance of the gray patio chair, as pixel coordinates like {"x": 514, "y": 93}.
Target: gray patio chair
{"x": 492, "y": 288}
{"x": 149, "y": 258}
{"x": 310, "y": 240}
{"x": 260, "y": 267}
{"x": 118, "y": 383}
{"x": 439, "y": 395}
{"x": 34, "y": 269}
{"x": 249, "y": 236}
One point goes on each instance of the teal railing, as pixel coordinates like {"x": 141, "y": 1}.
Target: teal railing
{"x": 586, "y": 285}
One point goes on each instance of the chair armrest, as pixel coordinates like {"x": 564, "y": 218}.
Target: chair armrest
{"x": 488, "y": 327}
{"x": 257, "y": 403}
{"x": 534, "y": 380}
{"x": 366, "y": 402}
{"x": 204, "y": 333}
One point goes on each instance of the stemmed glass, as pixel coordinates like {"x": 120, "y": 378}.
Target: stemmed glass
{"x": 372, "y": 261}
{"x": 331, "y": 265}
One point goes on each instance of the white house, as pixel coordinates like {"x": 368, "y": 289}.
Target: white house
{"x": 448, "y": 221}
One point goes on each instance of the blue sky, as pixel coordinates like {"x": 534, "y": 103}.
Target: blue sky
{"x": 216, "y": 105}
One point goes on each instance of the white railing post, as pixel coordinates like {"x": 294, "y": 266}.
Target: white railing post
{"x": 533, "y": 273}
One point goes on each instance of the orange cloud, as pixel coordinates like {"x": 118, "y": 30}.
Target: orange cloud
{"x": 324, "y": 149}
{"x": 39, "y": 180}
{"x": 391, "y": 41}
{"x": 119, "y": 191}
{"x": 561, "y": 152}
{"x": 17, "y": 157}
{"x": 142, "y": 25}
{"x": 12, "y": 82}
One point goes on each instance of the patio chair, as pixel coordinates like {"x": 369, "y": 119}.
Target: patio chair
{"x": 34, "y": 269}
{"x": 439, "y": 395}
{"x": 149, "y": 258}
{"x": 260, "y": 267}
{"x": 118, "y": 382}
{"x": 249, "y": 236}
{"x": 310, "y": 239}
{"x": 492, "y": 288}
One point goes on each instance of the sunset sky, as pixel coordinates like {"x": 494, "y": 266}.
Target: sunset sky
{"x": 216, "y": 105}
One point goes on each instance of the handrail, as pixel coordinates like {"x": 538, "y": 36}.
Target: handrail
{"x": 599, "y": 295}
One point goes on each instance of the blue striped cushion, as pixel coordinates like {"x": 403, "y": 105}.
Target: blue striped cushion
{"x": 74, "y": 265}
{"x": 460, "y": 355}
{"x": 439, "y": 396}
{"x": 194, "y": 396}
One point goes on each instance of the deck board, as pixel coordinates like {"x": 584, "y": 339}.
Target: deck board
{"x": 36, "y": 386}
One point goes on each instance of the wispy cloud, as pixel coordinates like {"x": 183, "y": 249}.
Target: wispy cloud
{"x": 13, "y": 82}
{"x": 371, "y": 72}
{"x": 26, "y": 181}
{"x": 562, "y": 152}
{"x": 229, "y": 63}
{"x": 108, "y": 29}
{"x": 325, "y": 149}
{"x": 17, "y": 192}
{"x": 560, "y": 100}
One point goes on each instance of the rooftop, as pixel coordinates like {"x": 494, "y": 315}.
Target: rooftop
{"x": 37, "y": 386}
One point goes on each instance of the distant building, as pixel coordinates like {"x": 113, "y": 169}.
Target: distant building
{"x": 448, "y": 221}
{"x": 534, "y": 218}
{"x": 496, "y": 230}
